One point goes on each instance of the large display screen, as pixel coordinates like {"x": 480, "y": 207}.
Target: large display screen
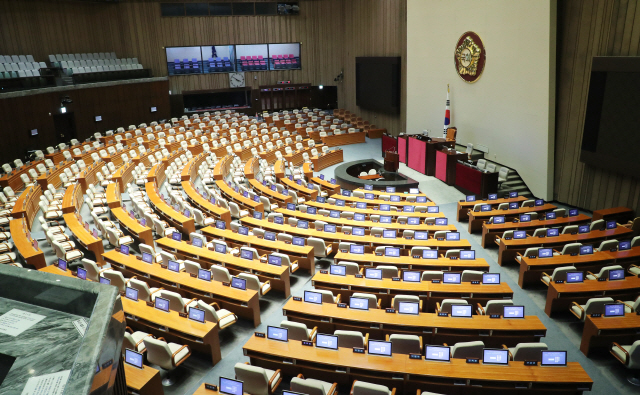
{"x": 208, "y": 59}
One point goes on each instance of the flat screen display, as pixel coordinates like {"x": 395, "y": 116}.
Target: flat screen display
{"x": 277, "y": 333}
{"x": 429, "y": 254}
{"x": 614, "y": 310}
{"x": 133, "y": 358}
{"x": 408, "y": 209}
{"x": 221, "y": 225}
{"x": 312, "y": 297}
{"x": 414, "y": 191}
{"x": 498, "y": 219}
{"x": 375, "y": 274}
{"x": 356, "y": 249}
{"x": 525, "y": 218}
{"x": 377, "y": 347}
{"x": 451, "y": 278}
{"x": 204, "y": 274}
{"x": 513, "y": 194}
{"x": 230, "y": 387}
{"x": 389, "y": 234}
{"x": 586, "y": 250}
{"x": 467, "y": 255}
{"x": 452, "y": 236}
{"x": 412, "y": 308}
{"x": 359, "y": 217}
{"x": 413, "y": 221}
{"x": 553, "y": 232}
{"x": 421, "y": 235}
{"x": 392, "y": 251}
{"x": 491, "y": 278}
{"x": 493, "y": 196}
{"x": 421, "y": 199}
{"x": 575, "y": 277}
{"x": 131, "y": 293}
{"x": 361, "y": 205}
{"x": 275, "y": 260}
{"x": 433, "y": 209}
{"x": 162, "y": 304}
{"x": 257, "y": 214}
{"x": 369, "y": 196}
{"x": 359, "y": 303}
{"x": 385, "y": 219}
{"x": 390, "y": 189}
{"x": 196, "y": 314}
{"x": 539, "y": 202}
{"x": 124, "y": 249}
{"x": 340, "y": 202}
{"x": 327, "y": 341}
{"x": 320, "y": 199}
{"x": 624, "y": 245}
{"x": 553, "y": 358}
{"x": 173, "y": 266}
{"x": 177, "y": 236}
{"x": 62, "y": 264}
{"x": 312, "y": 210}
{"x": 495, "y": 357}
{"x": 385, "y": 207}
{"x": 238, "y": 283}
{"x": 368, "y": 187}
{"x": 358, "y": 231}
{"x": 583, "y": 229}
{"x": 291, "y": 206}
{"x": 545, "y": 252}
{"x": 410, "y": 276}
{"x": 470, "y": 198}
{"x": 461, "y": 310}
{"x": 513, "y": 312}
{"x": 513, "y": 206}
{"x": 338, "y": 270}
{"x": 519, "y": 234}
{"x": 270, "y": 236}
{"x": 616, "y": 274}
{"x": 220, "y": 248}
{"x": 611, "y": 224}
{"x": 197, "y": 242}
{"x": 303, "y": 224}
{"x": 437, "y": 353}
{"x": 395, "y": 198}
{"x": 485, "y": 207}
{"x": 330, "y": 228}
{"x": 246, "y": 254}
{"x": 105, "y": 281}
{"x": 278, "y": 220}
{"x": 243, "y": 230}
{"x": 551, "y": 215}
{"x": 334, "y": 214}
{"x": 82, "y": 274}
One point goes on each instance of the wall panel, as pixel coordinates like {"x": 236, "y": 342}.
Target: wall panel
{"x": 586, "y": 29}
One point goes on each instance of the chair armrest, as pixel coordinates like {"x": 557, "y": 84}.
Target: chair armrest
{"x": 127, "y": 329}
{"x": 366, "y": 340}
{"x": 215, "y": 305}
{"x": 225, "y": 316}
{"x": 480, "y": 308}
{"x": 594, "y": 275}
{"x": 173, "y": 361}
{"x": 333, "y": 390}
{"x": 275, "y": 374}
{"x": 353, "y": 385}
{"x": 437, "y": 307}
{"x": 519, "y": 254}
{"x": 393, "y": 391}
{"x": 630, "y": 307}
{"x": 142, "y": 340}
{"x": 189, "y": 302}
{"x": 504, "y": 347}
{"x": 542, "y": 278}
{"x": 379, "y": 303}
{"x": 313, "y": 332}
{"x": 626, "y": 353}
{"x": 497, "y": 240}
{"x": 386, "y": 337}
{"x": 580, "y": 307}
{"x": 300, "y": 376}
{"x": 630, "y": 266}
{"x": 338, "y": 298}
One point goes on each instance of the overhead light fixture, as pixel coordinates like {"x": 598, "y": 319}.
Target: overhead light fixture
{"x": 320, "y": 86}
{"x": 63, "y": 110}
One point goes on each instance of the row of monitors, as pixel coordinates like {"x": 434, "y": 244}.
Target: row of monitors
{"x": 492, "y": 196}
{"x": 432, "y": 353}
{"x": 415, "y": 276}
{"x": 584, "y": 249}
{"x": 553, "y": 232}
{"x": 230, "y": 58}
{"x": 369, "y": 187}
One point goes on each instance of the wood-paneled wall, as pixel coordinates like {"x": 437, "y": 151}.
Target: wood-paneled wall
{"x": 332, "y": 33}
{"x": 118, "y": 105}
{"x": 588, "y": 28}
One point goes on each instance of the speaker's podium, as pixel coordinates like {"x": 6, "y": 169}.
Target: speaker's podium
{"x": 59, "y": 335}
{"x": 391, "y": 161}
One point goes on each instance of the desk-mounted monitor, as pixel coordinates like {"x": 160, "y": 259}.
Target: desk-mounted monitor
{"x": 313, "y": 297}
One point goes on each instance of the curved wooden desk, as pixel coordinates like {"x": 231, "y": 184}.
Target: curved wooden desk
{"x": 373, "y": 211}
{"x": 251, "y": 168}
{"x": 304, "y": 255}
{"x": 329, "y": 159}
{"x": 477, "y": 218}
{"x": 84, "y": 237}
{"x": 234, "y": 196}
{"x": 266, "y": 191}
{"x": 377, "y": 202}
{"x": 430, "y": 293}
{"x": 242, "y": 303}
{"x": 325, "y": 185}
{"x": 53, "y": 177}
{"x": 142, "y": 234}
{"x": 27, "y": 204}
{"x": 600, "y": 332}
{"x": 410, "y": 263}
{"x": 403, "y": 195}
{"x": 204, "y": 205}
{"x": 174, "y": 218}
{"x": 508, "y": 249}
{"x": 278, "y": 276}
{"x": 300, "y": 190}
{"x": 24, "y": 244}
{"x": 492, "y": 231}
{"x": 112, "y": 195}
{"x": 88, "y": 175}
{"x": 464, "y": 207}
{"x": 408, "y": 375}
{"x": 13, "y": 180}
{"x": 367, "y": 240}
{"x": 344, "y": 139}
{"x": 73, "y": 199}
{"x": 328, "y": 317}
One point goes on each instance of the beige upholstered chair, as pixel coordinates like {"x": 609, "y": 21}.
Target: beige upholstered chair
{"x": 257, "y": 380}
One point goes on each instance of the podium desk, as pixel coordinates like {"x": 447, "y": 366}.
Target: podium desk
{"x": 531, "y": 269}
{"x": 462, "y": 212}
{"x": 389, "y": 143}
{"x": 145, "y": 381}
{"x": 278, "y": 276}
{"x": 402, "y": 148}
{"x": 328, "y": 317}
{"x": 600, "y": 332}
{"x": 200, "y": 337}
{"x": 490, "y": 232}
{"x": 560, "y": 296}
{"x": 446, "y": 161}
{"x": 477, "y": 218}
{"x": 242, "y": 303}
{"x": 428, "y": 292}
{"x": 391, "y": 161}
{"x": 411, "y": 263}
{"x": 474, "y": 181}
{"x": 508, "y": 249}
{"x": 409, "y": 375}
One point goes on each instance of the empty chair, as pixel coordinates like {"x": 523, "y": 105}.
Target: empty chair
{"x": 388, "y": 271}
{"x": 364, "y": 388}
{"x": 429, "y": 275}
{"x": 526, "y": 351}
{"x": 177, "y": 302}
{"x": 494, "y": 307}
{"x": 213, "y": 313}
{"x": 257, "y": 380}
{"x": 374, "y": 303}
{"x": 134, "y": 340}
{"x": 351, "y": 339}
{"x": 604, "y": 272}
{"x": 254, "y": 283}
{"x": 312, "y": 386}
{"x": 166, "y": 355}
{"x": 467, "y": 350}
{"x": 629, "y": 356}
{"x": 558, "y": 274}
{"x": 471, "y": 275}
{"x": 445, "y": 306}
{"x": 405, "y": 344}
{"x": 299, "y": 331}
{"x": 593, "y": 305}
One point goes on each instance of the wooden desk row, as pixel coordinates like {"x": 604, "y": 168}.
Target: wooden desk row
{"x": 303, "y": 254}
{"x": 53, "y": 177}
{"x": 24, "y": 244}
{"x": 531, "y": 269}
{"x": 428, "y": 292}
{"x": 490, "y": 232}
{"x": 13, "y": 180}
{"x": 409, "y": 375}
{"x": 233, "y": 196}
{"x": 174, "y": 218}
{"x": 410, "y": 263}
{"x": 344, "y": 139}
{"x": 368, "y": 224}
{"x": 508, "y": 249}
{"x": 462, "y": 213}
{"x": 242, "y": 303}
{"x": 367, "y": 240}
{"x": 477, "y": 218}
{"x": 278, "y": 276}
{"x": 402, "y": 195}
{"x": 73, "y": 199}
{"x": 600, "y": 332}
{"x": 378, "y": 323}
{"x": 131, "y": 226}
{"x": 207, "y": 208}
{"x": 301, "y": 190}
{"x": 561, "y": 295}
{"x": 373, "y": 211}
{"x": 84, "y": 237}
{"x": 27, "y": 205}
{"x": 268, "y": 192}
{"x": 377, "y": 202}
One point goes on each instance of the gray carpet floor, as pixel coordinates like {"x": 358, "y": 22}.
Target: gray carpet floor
{"x": 563, "y": 332}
